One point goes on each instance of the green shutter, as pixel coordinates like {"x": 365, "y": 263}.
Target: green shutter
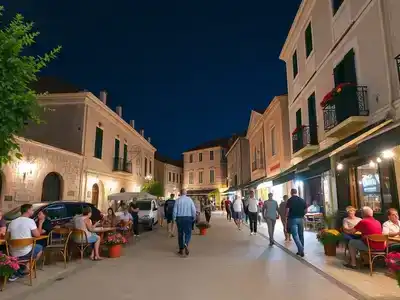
{"x": 98, "y": 146}
{"x": 295, "y": 66}
{"x": 298, "y": 118}
{"x": 116, "y": 148}
{"x": 309, "y": 40}
{"x": 125, "y": 153}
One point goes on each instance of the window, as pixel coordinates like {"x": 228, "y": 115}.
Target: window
{"x": 376, "y": 185}
{"x": 201, "y": 177}
{"x": 116, "y": 148}
{"x": 180, "y": 177}
{"x": 295, "y": 66}
{"x": 261, "y": 155}
{"x": 74, "y": 209}
{"x": 200, "y": 156}
{"x": 397, "y": 58}
{"x": 56, "y": 212}
{"x": 211, "y": 155}
{"x": 169, "y": 176}
{"x": 150, "y": 166}
{"x": 173, "y": 177}
{"x": 336, "y": 4}
{"x": 190, "y": 177}
{"x": 125, "y": 153}
{"x": 98, "y": 144}
{"x": 309, "y": 40}
{"x": 273, "y": 143}
{"x": 145, "y": 166}
{"x": 191, "y": 158}
{"x": 212, "y": 176}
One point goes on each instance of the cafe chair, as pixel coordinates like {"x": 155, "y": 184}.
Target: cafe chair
{"x": 58, "y": 243}
{"x": 29, "y": 263}
{"x": 80, "y": 240}
{"x": 373, "y": 254}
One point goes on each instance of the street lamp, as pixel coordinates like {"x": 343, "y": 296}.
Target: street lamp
{"x": 148, "y": 177}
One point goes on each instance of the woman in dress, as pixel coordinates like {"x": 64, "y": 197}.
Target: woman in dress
{"x": 111, "y": 219}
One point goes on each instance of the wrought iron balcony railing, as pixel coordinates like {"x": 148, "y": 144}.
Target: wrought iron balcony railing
{"x": 303, "y": 137}
{"x": 121, "y": 165}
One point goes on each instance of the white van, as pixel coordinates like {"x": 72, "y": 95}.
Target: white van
{"x": 148, "y": 212}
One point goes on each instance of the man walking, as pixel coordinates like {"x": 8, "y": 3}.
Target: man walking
{"x": 228, "y": 209}
{"x": 295, "y": 210}
{"x": 168, "y": 212}
{"x": 252, "y": 207}
{"x": 270, "y": 214}
{"x": 237, "y": 207}
{"x": 282, "y": 214}
{"x": 184, "y": 215}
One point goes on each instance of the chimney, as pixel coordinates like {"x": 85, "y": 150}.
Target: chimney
{"x": 149, "y": 139}
{"x": 132, "y": 123}
{"x": 103, "y": 97}
{"x": 118, "y": 109}
{"x": 142, "y": 132}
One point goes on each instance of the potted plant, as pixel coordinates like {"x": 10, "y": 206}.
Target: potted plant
{"x": 393, "y": 263}
{"x": 329, "y": 238}
{"x": 114, "y": 242}
{"x": 203, "y": 226}
{"x": 8, "y": 265}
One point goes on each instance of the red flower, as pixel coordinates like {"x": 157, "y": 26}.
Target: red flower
{"x": 297, "y": 129}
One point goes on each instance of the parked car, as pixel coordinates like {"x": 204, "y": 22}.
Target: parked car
{"x": 59, "y": 212}
{"x": 148, "y": 212}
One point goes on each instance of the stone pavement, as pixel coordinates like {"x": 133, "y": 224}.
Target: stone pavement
{"x": 224, "y": 264}
{"x": 379, "y": 286}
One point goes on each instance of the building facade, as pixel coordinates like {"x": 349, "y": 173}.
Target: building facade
{"x": 205, "y": 170}
{"x": 44, "y": 173}
{"x": 170, "y": 174}
{"x": 343, "y": 86}
{"x": 268, "y": 135}
{"x": 116, "y": 157}
{"x": 238, "y": 166}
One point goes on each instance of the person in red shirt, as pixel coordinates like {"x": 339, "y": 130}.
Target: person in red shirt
{"x": 228, "y": 209}
{"x": 367, "y": 226}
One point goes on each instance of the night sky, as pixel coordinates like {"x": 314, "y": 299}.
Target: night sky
{"x": 185, "y": 71}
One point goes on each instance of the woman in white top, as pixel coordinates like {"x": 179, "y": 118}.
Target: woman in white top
{"x": 84, "y": 223}
{"x": 350, "y": 222}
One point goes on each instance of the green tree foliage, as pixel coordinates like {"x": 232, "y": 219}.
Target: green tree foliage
{"x": 153, "y": 187}
{"x": 18, "y": 102}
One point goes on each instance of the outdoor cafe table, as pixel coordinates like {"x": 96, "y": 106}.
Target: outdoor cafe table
{"x": 102, "y": 230}
{"x": 395, "y": 239}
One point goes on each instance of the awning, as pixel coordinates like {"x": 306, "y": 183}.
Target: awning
{"x": 313, "y": 169}
{"x": 256, "y": 182}
{"x": 386, "y": 138}
{"x": 285, "y": 176}
{"x": 199, "y": 192}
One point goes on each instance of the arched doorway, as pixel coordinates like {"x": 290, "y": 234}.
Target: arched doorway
{"x": 122, "y": 190}
{"x": 95, "y": 195}
{"x": 52, "y": 187}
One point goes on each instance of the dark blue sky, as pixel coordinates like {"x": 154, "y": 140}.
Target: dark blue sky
{"x": 185, "y": 70}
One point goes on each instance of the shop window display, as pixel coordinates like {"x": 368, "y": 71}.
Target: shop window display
{"x": 369, "y": 190}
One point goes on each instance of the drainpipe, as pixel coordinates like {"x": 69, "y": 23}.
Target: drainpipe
{"x": 385, "y": 29}
{"x": 83, "y": 197}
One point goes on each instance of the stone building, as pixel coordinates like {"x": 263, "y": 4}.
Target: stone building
{"x": 169, "y": 172}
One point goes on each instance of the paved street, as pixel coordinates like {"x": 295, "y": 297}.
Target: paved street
{"x": 225, "y": 264}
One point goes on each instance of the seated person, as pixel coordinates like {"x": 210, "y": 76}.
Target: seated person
{"x": 367, "y": 226}
{"x": 24, "y": 228}
{"x": 349, "y": 223}
{"x": 111, "y": 219}
{"x": 391, "y": 228}
{"x": 2, "y": 225}
{"x": 84, "y": 223}
{"x": 314, "y": 208}
{"x": 44, "y": 226}
{"x": 125, "y": 219}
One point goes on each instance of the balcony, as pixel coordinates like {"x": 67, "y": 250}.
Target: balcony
{"x": 121, "y": 165}
{"x": 347, "y": 112}
{"x": 305, "y": 141}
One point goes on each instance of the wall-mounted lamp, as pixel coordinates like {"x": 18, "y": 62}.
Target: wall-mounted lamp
{"x": 26, "y": 168}
{"x": 148, "y": 177}
{"x": 387, "y": 154}
{"x": 339, "y": 166}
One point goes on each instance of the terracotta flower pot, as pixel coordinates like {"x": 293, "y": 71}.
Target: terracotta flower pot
{"x": 114, "y": 251}
{"x": 330, "y": 249}
{"x": 203, "y": 231}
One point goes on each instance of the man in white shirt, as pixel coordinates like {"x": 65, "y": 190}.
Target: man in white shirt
{"x": 24, "y": 228}
{"x": 237, "y": 206}
{"x": 253, "y": 212}
{"x": 391, "y": 227}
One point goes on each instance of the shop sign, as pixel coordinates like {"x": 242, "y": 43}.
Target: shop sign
{"x": 370, "y": 183}
{"x": 275, "y": 167}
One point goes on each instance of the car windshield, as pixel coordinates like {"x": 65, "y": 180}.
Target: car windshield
{"x": 16, "y": 212}
{"x": 143, "y": 205}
